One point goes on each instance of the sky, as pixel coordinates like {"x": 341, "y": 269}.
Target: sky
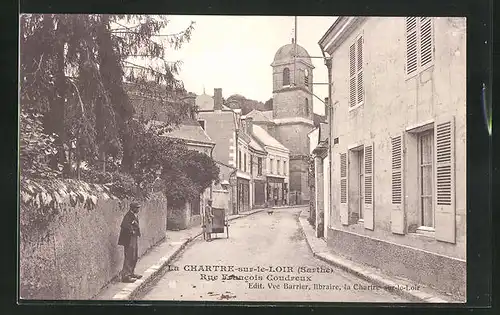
{"x": 235, "y": 53}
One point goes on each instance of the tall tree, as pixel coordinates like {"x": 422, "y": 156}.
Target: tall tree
{"x": 73, "y": 69}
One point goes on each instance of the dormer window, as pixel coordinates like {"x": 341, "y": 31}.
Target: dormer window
{"x": 286, "y": 76}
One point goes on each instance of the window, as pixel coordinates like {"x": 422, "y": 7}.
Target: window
{"x": 306, "y": 78}
{"x": 285, "y": 172}
{"x": 271, "y": 165}
{"x": 306, "y": 107}
{"x": 259, "y": 166}
{"x": 244, "y": 162}
{"x": 356, "y": 87}
{"x": 202, "y": 124}
{"x": 425, "y": 157}
{"x": 419, "y": 44}
{"x": 286, "y": 76}
{"x": 239, "y": 160}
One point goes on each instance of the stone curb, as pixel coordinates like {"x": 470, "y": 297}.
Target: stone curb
{"x": 132, "y": 290}
{"x": 414, "y": 296}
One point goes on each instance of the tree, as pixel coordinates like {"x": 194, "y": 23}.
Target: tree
{"x": 73, "y": 69}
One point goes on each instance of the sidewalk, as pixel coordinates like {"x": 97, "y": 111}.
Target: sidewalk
{"x": 373, "y": 275}
{"x": 154, "y": 261}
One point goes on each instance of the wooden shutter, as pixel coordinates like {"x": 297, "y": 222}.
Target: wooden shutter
{"x": 411, "y": 45}
{"x": 368, "y": 215}
{"x": 444, "y": 217}
{"x": 352, "y": 75}
{"x": 397, "y": 210}
{"x": 426, "y": 41}
{"x": 344, "y": 213}
{"x": 359, "y": 68}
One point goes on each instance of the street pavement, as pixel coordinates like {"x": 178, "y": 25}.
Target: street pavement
{"x": 266, "y": 259}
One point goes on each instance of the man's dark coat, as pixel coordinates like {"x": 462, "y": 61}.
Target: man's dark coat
{"x": 129, "y": 227}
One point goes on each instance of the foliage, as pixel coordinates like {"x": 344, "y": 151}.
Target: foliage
{"x": 72, "y": 70}
{"x": 37, "y": 147}
{"x": 246, "y": 105}
{"x": 96, "y": 83}
{"x": 269, "y": 104}
{"x": 43, "y": 198}
{"x": 185, "y": 173}
{"x": 189, "y": 175}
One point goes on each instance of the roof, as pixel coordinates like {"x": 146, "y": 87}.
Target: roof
{"x": 190, "y": 130}
{"x": 268, "y": 114}
{"x": 259, "y": 116}
{"x": 318, "y": 119}
{"x": 266, "y": 138}
{"x": 256, "y": 146}
{"x": 286, "y": 52}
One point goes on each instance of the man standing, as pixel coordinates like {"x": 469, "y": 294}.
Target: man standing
{"x": 208, "y": 220}
{"x": 129, "y": 233}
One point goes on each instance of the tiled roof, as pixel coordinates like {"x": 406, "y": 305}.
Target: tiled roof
{"x": 256, "y": 146}
{"x": 260, "y": 116}
{"x": 190, "y": 130}
{"x": 318, "y": 119}
{"x": 266, "y": 138}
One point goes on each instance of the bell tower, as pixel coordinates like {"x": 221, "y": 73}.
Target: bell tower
{"x": 293, "y": 111}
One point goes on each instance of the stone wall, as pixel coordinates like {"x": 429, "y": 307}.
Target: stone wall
{"x": 181, "y": 217}
{"x": 78, "y": 253}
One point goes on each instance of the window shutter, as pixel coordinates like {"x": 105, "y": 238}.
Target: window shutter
{"x": 397, "y": 211}
{"x": 445, "y": 180}
{"x": 360, "y": 87}
{"x": 426, "y": 41}
{"x": 352, "y": 75}
{"x": 411, "y": 45}
{"x": 369, "y": 190}
{"x": 344, "y": 213}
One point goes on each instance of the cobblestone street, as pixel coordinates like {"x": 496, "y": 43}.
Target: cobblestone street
{"x": 260, "y": 241}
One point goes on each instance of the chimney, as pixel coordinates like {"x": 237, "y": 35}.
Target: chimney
{"x": 249, "y": 125}
{"x": 217, "y": 99}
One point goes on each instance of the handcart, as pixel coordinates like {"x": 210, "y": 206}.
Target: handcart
{"x": 219, "y": 222}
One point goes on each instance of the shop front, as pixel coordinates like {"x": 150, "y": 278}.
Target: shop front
{"x": 277, "y": 191}
{"x": 243, "y": 195}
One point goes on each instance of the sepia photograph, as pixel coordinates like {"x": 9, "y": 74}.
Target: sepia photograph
{"x": 242, "y": 158}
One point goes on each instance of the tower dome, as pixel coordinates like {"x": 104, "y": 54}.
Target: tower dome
{"x": 285, "y": 54}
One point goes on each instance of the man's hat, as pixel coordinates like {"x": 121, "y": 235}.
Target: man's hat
{"x": 135, "y": 205}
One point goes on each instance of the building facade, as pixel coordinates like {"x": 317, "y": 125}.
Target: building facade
{"x": 241, "y": 155}
{"x": 398, "y": 188}
{"x": 273, "y": 168}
